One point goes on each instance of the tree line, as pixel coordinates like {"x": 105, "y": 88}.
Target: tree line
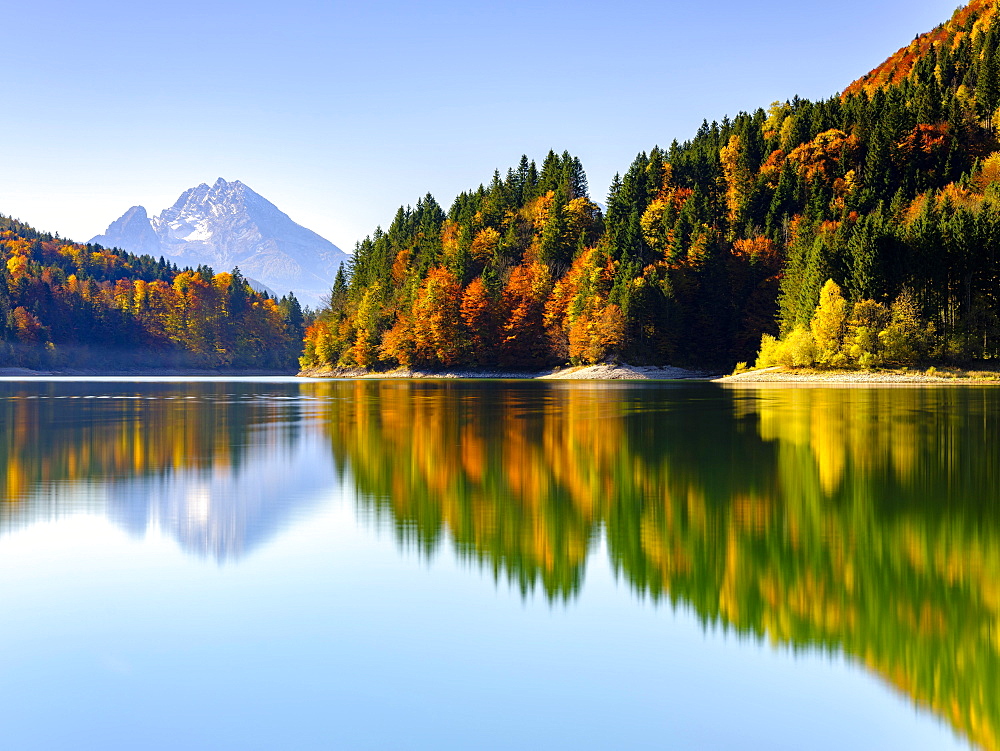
{"x": 65, "y": 304}
{"x": 889, "y": 189}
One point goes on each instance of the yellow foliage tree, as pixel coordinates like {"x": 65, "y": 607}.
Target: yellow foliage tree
{"x": 17, "y": 266}
{"x": 816, "y": 158}
{"x": 829, "y": 323}
{"x": 485, "y": 245}
{"x": 861, "y": 344}
{"x": 738, "y": 176}
{"x": 907, "y": 337}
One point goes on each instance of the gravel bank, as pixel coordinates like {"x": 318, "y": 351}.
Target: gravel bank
{"x": 627, "y": 373}
{"x": 780, "y": 375}
{"x": 605, "y": 372}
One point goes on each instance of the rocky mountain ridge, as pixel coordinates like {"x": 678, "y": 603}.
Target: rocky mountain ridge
{"x": 226, "y": 225}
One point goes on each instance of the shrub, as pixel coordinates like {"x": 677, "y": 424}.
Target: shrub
{"x": 797, "y": 350}
{"x": 801, "y": 348}
{"x": 769, "y": 349}
{"x": 907, "y": 338}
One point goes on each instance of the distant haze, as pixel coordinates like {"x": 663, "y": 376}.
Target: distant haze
{"x": 228, "y": 225}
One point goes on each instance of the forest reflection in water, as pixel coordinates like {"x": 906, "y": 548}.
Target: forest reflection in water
{"x": 219, "y": 466}
{"x": 862, "y": 521}
{"x": 859, "y": 521}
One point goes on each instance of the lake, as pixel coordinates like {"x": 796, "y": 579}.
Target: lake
{"x": 280, "y": 563}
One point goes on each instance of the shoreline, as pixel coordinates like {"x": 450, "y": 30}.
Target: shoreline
{"x": 932, "y": 376}
{"x": 777, "y": 375}
{"x": 618, "y": 372}
{"x": 603, "y": 372}
{"x": 139, "y": 372}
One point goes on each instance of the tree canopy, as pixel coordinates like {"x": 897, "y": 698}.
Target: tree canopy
{"x": 64, "y": 304}
{"x": 888, "y": 189}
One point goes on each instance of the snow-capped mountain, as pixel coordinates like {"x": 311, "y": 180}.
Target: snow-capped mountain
{"x": 133, "y": 232}
{"x": 227, "y": 225}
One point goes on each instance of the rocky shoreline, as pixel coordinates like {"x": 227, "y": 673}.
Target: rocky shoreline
{"x": 932, "y": 376}
{"x": 604, "y": 372}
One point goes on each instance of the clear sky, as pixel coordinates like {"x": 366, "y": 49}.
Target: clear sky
{"x": 340, "y": 112}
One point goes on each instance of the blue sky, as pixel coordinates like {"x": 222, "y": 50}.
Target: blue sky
{"x": 340, "y": 112}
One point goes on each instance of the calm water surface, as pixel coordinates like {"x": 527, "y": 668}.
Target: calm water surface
{"x": 404, "y": 565}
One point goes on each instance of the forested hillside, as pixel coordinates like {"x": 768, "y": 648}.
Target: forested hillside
{"x": 66, "y": 305}
{"x": 891, "y": 190}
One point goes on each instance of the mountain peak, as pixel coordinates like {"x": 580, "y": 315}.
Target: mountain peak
{"x": 222, "y": 183}
{"x": 135, "y": 212}
{"x": 226, "y": 225}
{"x": 131, "y": 229}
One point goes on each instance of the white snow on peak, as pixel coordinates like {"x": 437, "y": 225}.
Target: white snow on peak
{"x": 226, "y": 225}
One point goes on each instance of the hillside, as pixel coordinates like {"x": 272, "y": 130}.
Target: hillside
{"x": 71, "y": 306}
{"x": 973, "y": 19}
{"x": 888, "y": 189}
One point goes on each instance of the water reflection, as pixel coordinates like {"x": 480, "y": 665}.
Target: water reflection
{"x": 859, "y": 521}
{"x": 218, "y": 466}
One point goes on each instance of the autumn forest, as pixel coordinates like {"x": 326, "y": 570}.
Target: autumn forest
{"x": 66, "y": 304}
{"x": 888, "y": 190}
{"x": 884, "y": 198}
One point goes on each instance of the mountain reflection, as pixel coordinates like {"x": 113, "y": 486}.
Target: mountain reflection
{"x": 862, "y": 521}
{"x": 213, "y": 465}
{"x": 859, "y": 521}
